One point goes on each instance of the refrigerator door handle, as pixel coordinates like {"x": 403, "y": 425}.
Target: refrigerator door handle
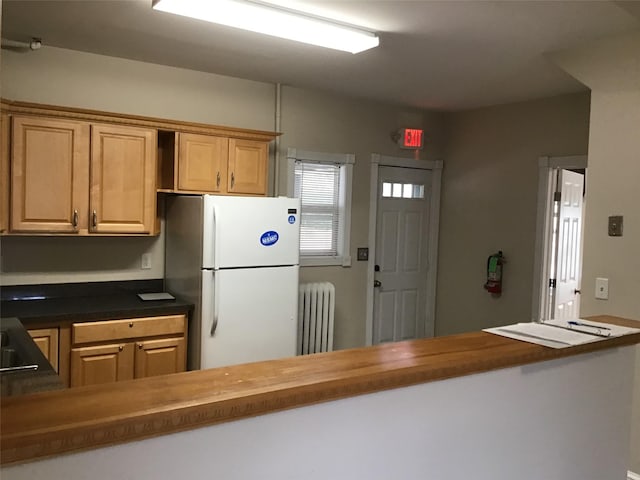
{"x": 209, "y": 308}
{"x": 214, "y": 325}
{"x": 209, "y": 234}
{"x": 216, "y": 304}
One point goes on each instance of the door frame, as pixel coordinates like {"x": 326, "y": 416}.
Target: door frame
{"x": 547, "y": 168}
{"x": 435, "y": 166}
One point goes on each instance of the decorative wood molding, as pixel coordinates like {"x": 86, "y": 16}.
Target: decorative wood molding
{"x": 80, "y": 114}
{"x": 53, "y": 423}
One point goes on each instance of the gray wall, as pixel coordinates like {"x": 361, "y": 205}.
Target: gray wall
{"x": 310, "y": 120}
{"x": 321, "y": 122}
{"x": 489, "y": 203}
{"x": 83, "y": 80}
{"x": 611, "y": 68}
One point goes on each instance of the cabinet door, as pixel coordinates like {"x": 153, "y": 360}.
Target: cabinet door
{"x": 160, "y": 357}
{"x": 202, "y": 163}
{"x": 47, "y": 341}
{"x": 49, "y": 175}
{"x": 4, "y": 172}
{"x": 123, "y": 179}
{"x": 248, "y": 161}
{"x": 101, "y": 364}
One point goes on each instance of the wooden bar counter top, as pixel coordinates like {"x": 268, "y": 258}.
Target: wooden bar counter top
{"x": 52, "y": 423}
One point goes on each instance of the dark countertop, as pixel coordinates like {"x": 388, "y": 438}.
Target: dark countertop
{"x": 38, "y": 305}
{"x": 86, "y": 301}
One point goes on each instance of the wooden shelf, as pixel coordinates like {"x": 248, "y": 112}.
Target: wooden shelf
{"x": 53, "y": 423}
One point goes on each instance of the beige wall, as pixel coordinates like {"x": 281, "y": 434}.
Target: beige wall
{"x": 489, "y": 203}
{"x": 76, "y": 79}
{"x": 321, "y": 122}
{"x": 611, "y": 68}
{"x": 311, "y": 121}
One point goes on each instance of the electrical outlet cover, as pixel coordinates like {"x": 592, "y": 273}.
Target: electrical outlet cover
{"x": 145, "y": 261}
{"x": 602, "y": 288}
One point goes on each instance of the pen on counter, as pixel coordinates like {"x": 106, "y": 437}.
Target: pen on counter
{"x": 580, "y": 324}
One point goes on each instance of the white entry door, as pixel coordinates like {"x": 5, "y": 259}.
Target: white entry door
{"x": 568, "y": 245}
{"x": 401, "y": 267}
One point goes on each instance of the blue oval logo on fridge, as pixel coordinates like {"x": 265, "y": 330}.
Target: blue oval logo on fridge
{"x": 269, "y": 238}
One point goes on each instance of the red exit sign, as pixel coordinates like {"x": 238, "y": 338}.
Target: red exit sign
{"x": 411, "y": 138}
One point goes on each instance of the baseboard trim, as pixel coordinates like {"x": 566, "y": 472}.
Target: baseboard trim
{"x": 632, "y": 476}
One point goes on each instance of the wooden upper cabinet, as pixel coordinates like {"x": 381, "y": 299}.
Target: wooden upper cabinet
{"x": 220, "y": 165}
{"x": 75, "y": 177}
{"x": 123, "y": 179}
{"x": 49, "y": 175}
{"x": 202, "y": 163}
{"x": 248, "y": 162}
{"x": 85, "y": 172}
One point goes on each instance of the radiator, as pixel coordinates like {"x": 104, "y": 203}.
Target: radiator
{"x": 315, "y": 317}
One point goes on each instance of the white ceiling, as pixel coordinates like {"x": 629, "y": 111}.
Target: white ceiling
{"x": 442, "y": 55}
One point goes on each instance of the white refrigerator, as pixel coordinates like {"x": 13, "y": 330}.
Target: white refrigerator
{"x": 236, "y": 259}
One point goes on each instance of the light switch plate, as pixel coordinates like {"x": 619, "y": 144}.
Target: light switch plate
{"x": 615, "y": 226}
{"x": 602, "y": 288}
{"x": 363, "y": 254}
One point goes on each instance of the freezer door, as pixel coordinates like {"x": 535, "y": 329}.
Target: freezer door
{"x": 251, "y": 231}
{"x": 250, "y": 315}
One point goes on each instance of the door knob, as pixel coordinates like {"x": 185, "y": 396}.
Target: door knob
{"x": 377, "y": 283}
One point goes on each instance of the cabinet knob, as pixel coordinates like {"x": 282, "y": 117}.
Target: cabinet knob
{"x": 75, "y": 219}
{"x": 94, "y": 219}
{"x": 140, "y": 345}
{"x": 130, "y": 324}
{"x": 218, "y": 180}
{"x": 233, "y": 179}
{"x": 120, "y": 348}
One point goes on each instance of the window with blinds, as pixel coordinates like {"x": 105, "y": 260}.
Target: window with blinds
{"x": 322, "y": 182}
{"x": 318, "y": 187}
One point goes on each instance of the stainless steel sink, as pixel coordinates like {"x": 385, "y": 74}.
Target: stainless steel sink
{"x": 18, "y": 352}
{"x": 23, "y": 367}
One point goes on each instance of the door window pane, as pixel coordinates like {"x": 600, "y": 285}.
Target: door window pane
{"x": 400, "y": 190}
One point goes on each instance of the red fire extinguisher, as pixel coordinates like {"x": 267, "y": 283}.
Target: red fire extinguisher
{"x": 494, "y": 273}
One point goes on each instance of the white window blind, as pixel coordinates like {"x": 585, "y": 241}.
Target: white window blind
{"x": 318, "y": 187}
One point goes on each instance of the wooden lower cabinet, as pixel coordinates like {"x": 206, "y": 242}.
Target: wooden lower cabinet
{"x": 47, "y": 341}
{"x": 101, "y": 364}
{"x": 124, "y": 349}
{"x": 160, "y": 357}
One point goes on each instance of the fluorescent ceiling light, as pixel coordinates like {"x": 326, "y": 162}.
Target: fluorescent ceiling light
{"x": 275, "y": 21}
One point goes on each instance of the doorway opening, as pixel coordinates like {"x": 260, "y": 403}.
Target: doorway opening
{"x": 403, "y": 234}
{"x": 559, "y": 232}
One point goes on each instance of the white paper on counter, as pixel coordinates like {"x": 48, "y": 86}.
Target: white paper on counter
{"x": 589, "y": 327}
{"x": 546, "y": 335}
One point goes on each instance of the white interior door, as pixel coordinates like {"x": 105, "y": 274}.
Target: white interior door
{"x": 401, "y": 271}
{"x": 568, "y": 245}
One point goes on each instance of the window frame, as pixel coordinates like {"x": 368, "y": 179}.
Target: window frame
{"x": 346, "y": 162}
